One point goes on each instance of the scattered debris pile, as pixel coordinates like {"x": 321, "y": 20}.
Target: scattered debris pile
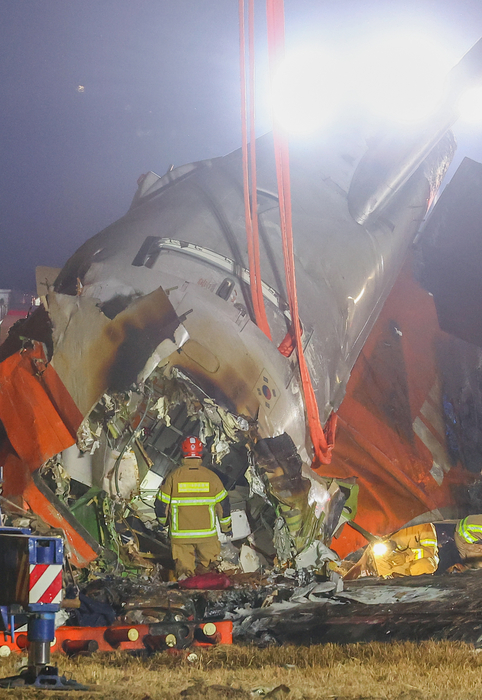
{"x": 283, "y": 514}
{"x": 299, "y": 608}
{"x": 410, "y": 608}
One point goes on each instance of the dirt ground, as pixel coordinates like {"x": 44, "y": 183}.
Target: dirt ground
{"x": 428, "y": 671}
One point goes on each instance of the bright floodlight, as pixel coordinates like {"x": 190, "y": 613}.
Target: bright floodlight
{"x": 402, "y": 77}
{"x": 470, "y": 106}
{"x": 304, "y": 89}
{"x": 379, "y": 549}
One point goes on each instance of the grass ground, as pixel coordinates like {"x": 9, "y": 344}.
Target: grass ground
{"x": 428, "y": 671}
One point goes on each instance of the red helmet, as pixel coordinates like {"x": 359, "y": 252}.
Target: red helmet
{"x": 192, "y": 447}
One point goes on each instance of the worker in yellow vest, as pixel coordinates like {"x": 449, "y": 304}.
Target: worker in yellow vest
{"x": 189, "y": 501}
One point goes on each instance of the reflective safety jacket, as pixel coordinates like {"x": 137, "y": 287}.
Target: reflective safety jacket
{"x": 189, "y": 500}
{"x": 416, "y": 552}
{"x": 470, "y": 529}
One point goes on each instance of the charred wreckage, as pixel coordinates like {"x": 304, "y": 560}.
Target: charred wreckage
{"x": 149, "y": 333}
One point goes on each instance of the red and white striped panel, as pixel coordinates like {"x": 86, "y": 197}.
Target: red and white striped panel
{"x": 45, "y": 583}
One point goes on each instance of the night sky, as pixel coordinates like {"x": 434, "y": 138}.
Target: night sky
{"x": 160, "y": 86}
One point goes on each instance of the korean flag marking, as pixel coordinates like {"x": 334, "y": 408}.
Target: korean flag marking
{"x": 266, "y": 391}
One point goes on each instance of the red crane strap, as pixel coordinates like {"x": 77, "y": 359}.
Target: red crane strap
{"x": 323, "y": 441}
{"x": 249, "y": 167}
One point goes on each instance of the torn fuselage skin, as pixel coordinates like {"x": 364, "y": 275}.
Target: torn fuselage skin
{"x": 164, "y": 292}
{"x": 152, "y": 371}
{"x": 131, "y": 442}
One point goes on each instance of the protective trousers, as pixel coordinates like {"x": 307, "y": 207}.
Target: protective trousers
{"x": 206, "y": 550}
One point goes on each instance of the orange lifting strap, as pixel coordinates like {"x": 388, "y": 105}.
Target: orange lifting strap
{"x": 323, "y": 440}
{"x": 249, "y": 167}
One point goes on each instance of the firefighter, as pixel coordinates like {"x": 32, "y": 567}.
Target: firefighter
{"x": 409, "y": 552}
{"x": 188, "y": 502}
{"x": 468, "y": 539}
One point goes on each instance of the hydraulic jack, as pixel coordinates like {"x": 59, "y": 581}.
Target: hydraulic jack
{"x": 32, "y": 588}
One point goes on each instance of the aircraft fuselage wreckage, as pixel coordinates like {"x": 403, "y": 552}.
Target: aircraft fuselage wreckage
{"x": 148, "y": 334}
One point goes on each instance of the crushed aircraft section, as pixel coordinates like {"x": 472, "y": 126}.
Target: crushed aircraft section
{"x": 131, "y": 441}
{"x": 148, "y": 334}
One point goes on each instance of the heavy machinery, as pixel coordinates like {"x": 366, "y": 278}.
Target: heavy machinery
{"x": 32, "y": 588}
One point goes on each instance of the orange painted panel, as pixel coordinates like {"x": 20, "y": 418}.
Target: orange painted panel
{"x": 391, "y": 428}
{"x": 101, "y": 636}
{"x": 80, "y": 551}
{"x": 38, "y": 414}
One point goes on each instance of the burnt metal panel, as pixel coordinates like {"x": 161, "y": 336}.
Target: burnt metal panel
{"x": 452, "y": 250}
{"x": 383, "y": 385}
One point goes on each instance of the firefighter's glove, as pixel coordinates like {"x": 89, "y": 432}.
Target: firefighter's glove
{"x": 229, "y": 534}
{"x": 161, "y": 531}
{"x": 398, "y": 558}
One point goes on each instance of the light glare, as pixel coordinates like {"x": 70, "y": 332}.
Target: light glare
{"x": 399, "y": 77}
{"x": 304, "y": 92}
{"x": 470, "y": 106}
{"x": 402, "y": 77}
{"x": 379, "y": 549}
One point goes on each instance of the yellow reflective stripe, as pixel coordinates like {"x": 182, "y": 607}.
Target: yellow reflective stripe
{"x": 224, "y": 521}
{"x": 193, "y": 487}
{"x": 464, "y": 531}
{"x": 201, "y": 501}
{"x": 428, "y": 543}
{"x": 192, "y": 501}
{"x": 164, "y": 497}
{"x": 474, "y": 528}
{"x": 461, "y": 529}
{"x": 184, "y": 534}
{"x": 418, "y": 553}
{"x": 206, "y": 532}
